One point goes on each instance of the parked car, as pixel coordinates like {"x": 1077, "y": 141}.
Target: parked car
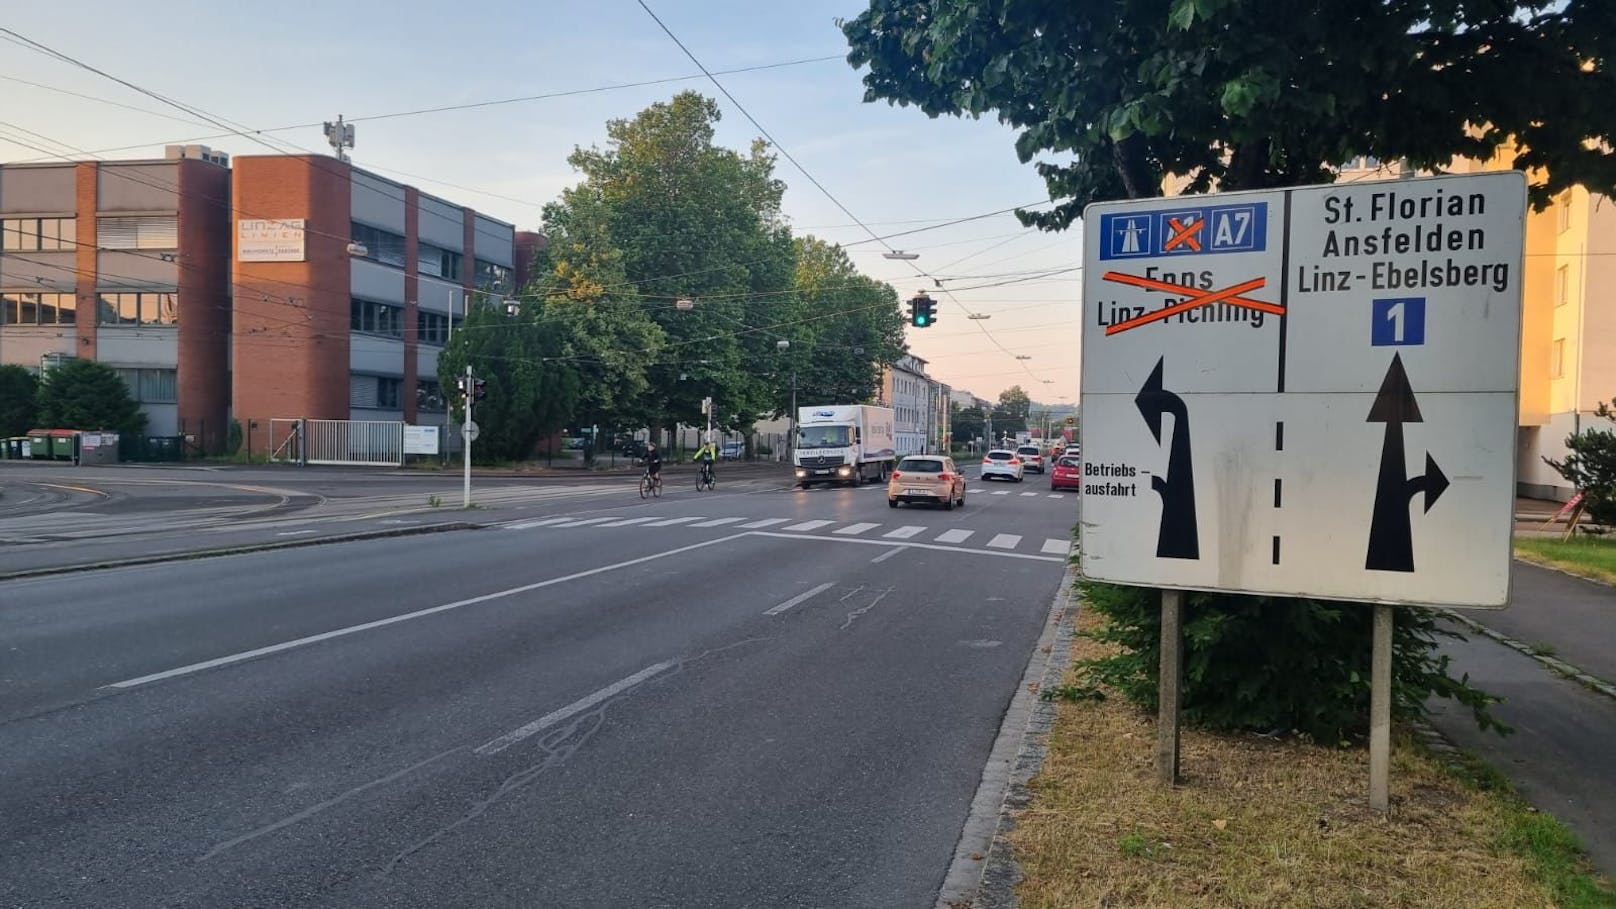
{"x": 1002, "y": 462}
{"x": 1067, "y": 473}
{"x": 928, "y": 479}
{"x": 1032, "y": 456}
{"x": 633, "y": 448}
{"x": 731, "y": 451}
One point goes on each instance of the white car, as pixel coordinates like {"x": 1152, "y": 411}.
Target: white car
{"x": 1033, "y": 456}
{"x": 1002, "y": 463}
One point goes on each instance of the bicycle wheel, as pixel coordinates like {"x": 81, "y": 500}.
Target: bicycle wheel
{"x": 656, "y": 487}
{"x": 645, "y": 486}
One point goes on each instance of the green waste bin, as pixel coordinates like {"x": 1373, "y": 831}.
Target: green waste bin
{"x": 39, "y": 443}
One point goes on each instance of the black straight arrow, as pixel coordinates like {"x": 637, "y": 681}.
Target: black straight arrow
{"x": 1177, "y": 538}
{"x": 1391, "y": 534}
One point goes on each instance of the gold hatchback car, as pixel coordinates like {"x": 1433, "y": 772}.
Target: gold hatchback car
{"x": 932, "y": 479}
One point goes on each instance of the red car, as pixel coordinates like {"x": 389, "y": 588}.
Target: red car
{"x": 1067, "y": 474}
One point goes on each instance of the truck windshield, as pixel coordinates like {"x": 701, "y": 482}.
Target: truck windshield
{"x": 822, "y": 436}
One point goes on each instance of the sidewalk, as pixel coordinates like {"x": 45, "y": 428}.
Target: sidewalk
{"x": 1564, "y": 747}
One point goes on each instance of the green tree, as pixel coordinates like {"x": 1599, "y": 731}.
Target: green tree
{"x": 848, "y": 329}
{"x": 18, "y": 407}
{"x": 1590, "y": 467}
{"x": 692, "y": 221}
{"x": 532, "y": 389}
{"x": 969, "y": 423}
{"x": 84, "y": 394}
{"x": 1010, "y": 414}
{"x": 1255, "y": 93}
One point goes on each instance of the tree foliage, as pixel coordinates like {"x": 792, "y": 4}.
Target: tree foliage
{"x": 84, "y": 394}
{"x": 1247, "y": 670}
{"x": 1590, "y": 467}
{"x": 532, "y": 389}
{"x": 1256, "y": 93}
{"x": 848, "y": 327}
{"x": 18, "y": 409}
{"x": 1010, "y": 414}
{"x": 968, "y": 423}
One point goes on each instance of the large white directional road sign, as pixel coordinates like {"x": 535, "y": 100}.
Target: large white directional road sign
{"x": 1307, "y": 392}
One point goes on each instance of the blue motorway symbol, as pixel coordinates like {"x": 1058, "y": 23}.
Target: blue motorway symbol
{"x": 1397, "y": 322}
{"x": 1188, "y": 231}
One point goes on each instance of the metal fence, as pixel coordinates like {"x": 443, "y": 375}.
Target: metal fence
{"x": 376, "y": 443}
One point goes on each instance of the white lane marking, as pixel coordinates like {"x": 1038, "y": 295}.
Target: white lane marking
{"x": 405, "y": 617}
{"x": 1025, "y": 494}
{"x": 529, "y": 525}
{"x": 904, "y": 533}
{"x": 954, "y": 536}
{"x": 293, "y": 533}
{"x": 576, "y": 707}
{"x": 855, "y": 529}
{"x": 1001, "y": 492}
{"x": 808, "y": 525}
{"x": 1057, "y": 495}
{"x": 888, "y": 554}
{"x": 1057, "y": 547}
{"x": 799, "y": 599}
{"x": 669, "y": 522}
{"x": 627, "y": 521}
{"x": 766, "y": 522}
{"x": 583, "y": 521}
{"x": 824, "y": 539}
{"x": 717, "y": 522}
{"x": 1004, "y": 541}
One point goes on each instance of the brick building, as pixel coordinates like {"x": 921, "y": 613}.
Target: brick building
{"x": 270, "y": 287}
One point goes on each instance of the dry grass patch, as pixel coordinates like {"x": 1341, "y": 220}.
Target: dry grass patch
{"x": 1257, "y": 823}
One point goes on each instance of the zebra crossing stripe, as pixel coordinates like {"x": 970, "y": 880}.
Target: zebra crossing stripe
{"x": 669, "y": 522}
{"x": 1001, "y": 492}
{"x": 808, "y": 525}
{"x": 528, "y": 525}
{"x": 904, "y": 533}
{"x": 1004, "y": 541}
{"x": 628, "y": 521}
{"x": 766, "y": 522}
{"x": 854, "y": 529}
{"x": 717, "y": 522}
{"x": 955, "y": 536}
{"x": 583, "y": 521}
{"x": 1057, "y": 547}
{"x": 1025, "y": 494}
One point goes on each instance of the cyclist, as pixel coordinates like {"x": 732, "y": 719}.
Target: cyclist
{"x": 653, "y": 462}
{"x": 705, "y": 456}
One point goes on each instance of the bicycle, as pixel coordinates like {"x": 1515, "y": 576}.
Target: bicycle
{"x": 705, "y": 479}
{"x": 650, "y": 485}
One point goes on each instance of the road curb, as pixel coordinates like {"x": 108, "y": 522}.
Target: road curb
{"x": 1559, "y": 667}
{"x": 159, "y": 558}
{"x": 983, "y": 873}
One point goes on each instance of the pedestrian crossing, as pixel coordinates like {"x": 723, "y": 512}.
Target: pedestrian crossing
{"x": 984, "y": 491}
{"x": 869, "y": 530}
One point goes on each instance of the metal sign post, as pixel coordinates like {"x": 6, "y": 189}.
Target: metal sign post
{"x": 468, "y": 434}
{"x": 1306, "y": 392}
{"x": 1169, "y": 686}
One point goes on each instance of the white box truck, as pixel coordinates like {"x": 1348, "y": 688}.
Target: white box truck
{"x": 843, "y": 443}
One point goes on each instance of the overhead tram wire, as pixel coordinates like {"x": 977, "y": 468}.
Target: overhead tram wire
{"x": 811, "y": 178}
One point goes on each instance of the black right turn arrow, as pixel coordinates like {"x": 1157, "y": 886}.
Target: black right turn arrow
{"x": 1391, "y": 534}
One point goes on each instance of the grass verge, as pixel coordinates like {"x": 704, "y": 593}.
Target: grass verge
{"x": 1587, "y": 556}
{"x": 1266, "y": 823}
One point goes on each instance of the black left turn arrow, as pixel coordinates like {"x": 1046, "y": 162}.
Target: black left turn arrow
{"x": 1177, "y": 538}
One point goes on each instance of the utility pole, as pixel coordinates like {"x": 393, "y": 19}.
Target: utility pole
{"x": 468, "y": 432}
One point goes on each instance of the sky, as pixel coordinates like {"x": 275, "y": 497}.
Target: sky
{"x": 295, "y": 63}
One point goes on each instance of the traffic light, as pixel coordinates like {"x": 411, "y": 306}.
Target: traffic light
{"x": 922, "y": 311}
{"x": 479, "y": 389}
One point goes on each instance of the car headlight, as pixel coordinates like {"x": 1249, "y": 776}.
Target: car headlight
{"x": 802, "y": 473}
{"x": 845, "y": 471}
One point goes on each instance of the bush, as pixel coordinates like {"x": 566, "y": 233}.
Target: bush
{"x": 84, "y": 394}
{"x": 232, "y": 441}
{"x": 1272, "y": 664}
{"x": 17, "y": 406}
{"x": 1591, "y": 467}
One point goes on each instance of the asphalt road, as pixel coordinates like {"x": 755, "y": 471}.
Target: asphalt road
{"x": 754, "y": 697}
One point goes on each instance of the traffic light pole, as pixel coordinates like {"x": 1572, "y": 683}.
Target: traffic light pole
{"x": 465, "y": 437}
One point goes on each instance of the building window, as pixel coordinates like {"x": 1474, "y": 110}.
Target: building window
{"x": 1562, "y": 285}
{"x": 374, "y": 392}
{"x": 438, "y": 262}
{"x": 1557, "y": 360}
{"x": 387, "y": 392}
{"x": 376, "y": 318}
{"x": 151, "y": 386}
{"x": 380, "y": 245}
{"x": 143, "y": 308}
{"x": 28, "y": 234}
{"x": 431, "y": 328}
{"x": 429, "y": 396}
{"x": 491, "y": 277}
{"x": 1562, "y": 211}
{"x": 22, "y": 308}
{"x": 142, "y": 232}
